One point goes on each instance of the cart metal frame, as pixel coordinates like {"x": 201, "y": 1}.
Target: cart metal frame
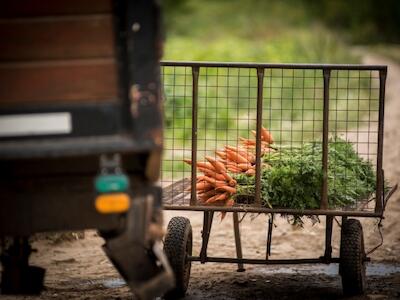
{"x": 208, "y": 211}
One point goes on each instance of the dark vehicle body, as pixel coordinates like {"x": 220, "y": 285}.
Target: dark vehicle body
{"x": 79, "y": 97}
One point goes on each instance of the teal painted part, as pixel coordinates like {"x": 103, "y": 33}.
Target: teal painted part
{"x": 111, "y": 183}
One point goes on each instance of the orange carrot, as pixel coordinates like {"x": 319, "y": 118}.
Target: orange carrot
{"x": 221, "y": 154}
{"x": 233, "y": 182}
{"x": 220, "y": 183}
{"x": 236, "y": 149}
{"x": 214, "y": 182}
{"x": 219, "y": 167}
{"x": 212, "y": 199}
{"x": 203, "y": 186}
{"x": 250, "y": 147}
{"x": 205, "y": 196}
{"x": 250, "y": 157}
{"x": 205, "y": 165}
{"x": 218, "y": 197}
{"x": 210, "y": 180}
{"x": 251, "y": 172}
{"x": 234, "y": 156}
{"x": 226, "y": 188}
{"x": 234, "y": 170}
{"x": 263, "y": 144}
{"x": 188, "y": 161}
{"x": 230, "y": 202}
{"x": 242, "y": 139}
{"x": 266, "y": 135}
{"x": 210, "y": 193}
{"x": 227, "y": 176}
{"x": 200, "y": 178}
{"x": 211, "y": 174}
{"x": 223, "y": 215}
{"x": 231, "y": 148}
{"x": 244, "y": 167}
{"x": 247, "y": 141}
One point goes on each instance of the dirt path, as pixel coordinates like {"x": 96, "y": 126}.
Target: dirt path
{"x": 80, "y": 270}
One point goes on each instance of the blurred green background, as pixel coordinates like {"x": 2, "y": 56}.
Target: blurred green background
{"x": 271, "y": 31}
{"x": 278, "y": 30}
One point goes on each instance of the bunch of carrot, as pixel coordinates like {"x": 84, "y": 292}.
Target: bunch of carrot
{"x": 216, "y": 186}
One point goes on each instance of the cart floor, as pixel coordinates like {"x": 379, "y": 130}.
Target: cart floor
{"x": 176, "y": 195}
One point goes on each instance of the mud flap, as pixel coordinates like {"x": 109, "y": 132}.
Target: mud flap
{"x": 137, "y": 252}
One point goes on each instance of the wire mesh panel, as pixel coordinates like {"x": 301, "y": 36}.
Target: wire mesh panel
{"x": 276, "y": 137}
{"x": 293, "y": 105}
{"x": 177, "y": 82}
{"x": 353, "y": 117}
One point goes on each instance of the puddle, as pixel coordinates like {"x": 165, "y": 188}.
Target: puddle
{"x": 113, "y": 283}
{"x": 373, "y": 269}
{"x": 110, "y": 283}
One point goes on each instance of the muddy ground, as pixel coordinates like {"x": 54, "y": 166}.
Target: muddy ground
{"x": 79, "y": 269}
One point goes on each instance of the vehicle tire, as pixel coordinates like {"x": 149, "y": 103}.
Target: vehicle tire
{"x": 177, "y": 247}
{"x": 352, "y": 258}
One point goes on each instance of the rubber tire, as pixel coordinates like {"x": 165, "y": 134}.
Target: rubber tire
{"x": 352, "y": 267}
{"x": 178, "y": 244}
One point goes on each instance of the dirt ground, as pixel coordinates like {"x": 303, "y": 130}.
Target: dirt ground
{"x": 79, "y": 269}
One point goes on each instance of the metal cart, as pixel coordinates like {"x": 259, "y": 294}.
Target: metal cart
{"x": 209, "y": 104}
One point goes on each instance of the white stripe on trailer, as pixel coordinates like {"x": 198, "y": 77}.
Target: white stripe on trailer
{"x": 35, "y": 124}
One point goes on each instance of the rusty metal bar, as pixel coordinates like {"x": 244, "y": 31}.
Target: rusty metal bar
{"x": 266, "y": 261}
{"x": 205, "y": 234}
{"x": 195, "y": 95}
{"x": 272, "y": 66}
{"x": 260, "y": 87}
{"x": 389, "y": 194}
{"x": 269, "y": 236}
{"x": 379, "y": 169}
{"x": 328, "y": 238}
{"x": 238, "y": 242}
{"x": 295, "y": 212}
{"x": 325, "y": 141}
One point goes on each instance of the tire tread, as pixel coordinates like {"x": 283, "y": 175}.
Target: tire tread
{"x": 179, "y": 233}
{"x": 352, "y": 254}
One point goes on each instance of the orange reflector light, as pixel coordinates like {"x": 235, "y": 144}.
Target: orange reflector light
{"x": 112, "y": 203}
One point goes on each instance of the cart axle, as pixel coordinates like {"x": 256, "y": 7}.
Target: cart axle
{"x": 267, "y": 261}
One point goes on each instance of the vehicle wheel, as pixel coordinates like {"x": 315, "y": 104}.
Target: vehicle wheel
{"x": 178, "y": 246}
{"x": 352, "y": 258}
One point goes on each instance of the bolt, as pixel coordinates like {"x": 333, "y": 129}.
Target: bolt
{"x": 135, "y": 27}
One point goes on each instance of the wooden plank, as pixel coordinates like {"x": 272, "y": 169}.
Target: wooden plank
{"x": 34, "y": 8}
{"x": 58, "y": 82}
{"x": 56, "y": 38}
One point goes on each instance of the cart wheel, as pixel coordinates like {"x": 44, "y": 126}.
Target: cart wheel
{"x": 352, "y": 258}
{"x": 177, "y": 247}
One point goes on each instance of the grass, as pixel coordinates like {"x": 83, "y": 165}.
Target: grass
{"x": 254, "y": 31}
{"x": 258, "y": 31}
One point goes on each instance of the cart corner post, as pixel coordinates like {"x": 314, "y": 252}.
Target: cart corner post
{"x": 325, "y": 139}
{"x": 195, "y": 95}
{"x": 379, "y": 161}
{"x": 260, "y": 87}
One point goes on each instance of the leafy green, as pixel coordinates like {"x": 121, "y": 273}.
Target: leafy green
{"x": 292, "y": 177}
